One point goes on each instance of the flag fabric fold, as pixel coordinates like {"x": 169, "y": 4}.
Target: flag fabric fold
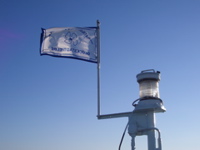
{"x": 73, "y": 42}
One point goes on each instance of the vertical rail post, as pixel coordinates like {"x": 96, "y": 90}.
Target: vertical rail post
{"x": 151, "y": 133}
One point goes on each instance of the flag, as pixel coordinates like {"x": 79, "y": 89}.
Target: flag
{"x": 73, "y": 42}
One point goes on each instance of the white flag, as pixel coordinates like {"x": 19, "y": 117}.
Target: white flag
{"x": 73, "y": 42}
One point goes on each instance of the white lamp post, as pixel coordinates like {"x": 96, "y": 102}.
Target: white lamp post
{"x": 142, "y": 121}
{"x": 142, "y": 118}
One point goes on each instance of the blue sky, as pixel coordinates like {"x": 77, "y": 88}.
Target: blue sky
{"x": 49, "y": 103}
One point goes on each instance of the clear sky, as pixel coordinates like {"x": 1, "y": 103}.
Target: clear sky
{"x": 49, "y": 103}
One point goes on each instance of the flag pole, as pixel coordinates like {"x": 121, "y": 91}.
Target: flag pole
{"x": 98, "y": 69}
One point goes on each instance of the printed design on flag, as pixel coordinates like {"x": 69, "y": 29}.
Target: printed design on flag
{"x": 71, "y": 38}
{"x": 86, "y": 35}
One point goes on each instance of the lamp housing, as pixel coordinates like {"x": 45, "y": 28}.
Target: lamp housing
{"x": 149, "y": 84}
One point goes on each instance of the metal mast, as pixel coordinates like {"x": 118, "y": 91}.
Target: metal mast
{"x": 142, "y": 118}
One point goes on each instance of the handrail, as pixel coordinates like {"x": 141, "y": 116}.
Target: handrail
{"x": 159, "y": 136}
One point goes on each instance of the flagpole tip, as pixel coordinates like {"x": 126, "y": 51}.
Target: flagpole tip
{"x": 98, "y": 22}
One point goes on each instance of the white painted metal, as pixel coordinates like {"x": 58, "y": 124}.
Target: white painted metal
{"x": 142, "y": 118}
{"x": 98, "y": 70}
{"x": 150, "y": 104}
{"x": 151, "y": 133}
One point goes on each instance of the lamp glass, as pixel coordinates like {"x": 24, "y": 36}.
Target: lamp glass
{"x": 149, "y": 88}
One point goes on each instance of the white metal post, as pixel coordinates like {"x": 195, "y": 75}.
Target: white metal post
{"x": 142, "y": 118}
{"x": 98, "y": 69}
{"x": 151, "y": 133}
